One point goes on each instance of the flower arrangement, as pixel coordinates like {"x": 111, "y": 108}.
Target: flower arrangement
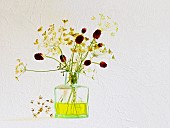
{"x": 73, "y": 52}
{"x": 82, "y": 50}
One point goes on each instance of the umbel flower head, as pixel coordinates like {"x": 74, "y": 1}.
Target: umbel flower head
{"x": 38, "y": 56}
{"x": 97, "y": 34}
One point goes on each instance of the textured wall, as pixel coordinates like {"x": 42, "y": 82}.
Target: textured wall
{"x": 134, "y": 91}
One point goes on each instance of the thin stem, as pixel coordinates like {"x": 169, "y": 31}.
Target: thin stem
{"x": 60, "y": 38}
{"x": 77, "y": 66}
{"x": 73, "y": 58}
{"x": 60, "y": 50}
{"x": 57, "y": 61}
{"x": 85, "y": 55}
{"x": 42, "y": 70}
{"x": 95, "y": 63}
{"x": 68, "y": 101}
{"x": 69, "y": 96}
{"x": 74, "y": 99}
{"x": 54, "y": 59}
{"x": 87, "y": 51}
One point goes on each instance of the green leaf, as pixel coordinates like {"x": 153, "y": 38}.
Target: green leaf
{"x": 117, "y": 29}
{"x": 113, "y": 57}
{"x": 109, "y": 51}
{"x": 16, "y": 78}
{"x": 18, "y": 60}
{"x": 92, "y": 77}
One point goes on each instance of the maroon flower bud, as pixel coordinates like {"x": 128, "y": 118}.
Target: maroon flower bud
{"x": 62, "y": 58}
{"x": 100, "y": 44}
{"x": 97, "y": 34}
{"x": 103, "y": 64}
{"x": 38, "y": 56}
{"x": 79, "y": 39}
{"x": 83, "y": 30}
{"x": 87, "y": 62}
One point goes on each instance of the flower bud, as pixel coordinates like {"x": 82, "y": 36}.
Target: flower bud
{"x": 87, "y": 62}
{"x": 79, "y": 39}
{"x": 62, "y": 58}
{"x": 83, "y": 30}
{"x": 103, "y": 64}
{"x": 100, "y": 44}
{"x": 38, "y": 56}
{"x": 97, "y": 34}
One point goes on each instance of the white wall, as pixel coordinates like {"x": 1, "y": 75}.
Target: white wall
{"x": 134, "y": 91}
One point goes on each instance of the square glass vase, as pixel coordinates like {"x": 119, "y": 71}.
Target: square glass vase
{"x": 71, "y": 100}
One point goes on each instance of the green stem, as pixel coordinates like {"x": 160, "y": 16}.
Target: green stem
{"x": 72, "y": 58}
{"x": 87, "y": 51}
{"x": 95, "y": 63}
{"x": 60, "y": 38}
{"x": 54, "y": 59}
{"x": 85, "y": 56}
{"x": 68, "y": 101}
{"x": 60, "y": 50}
{"x": 41, "y": 70}
{"x": 77, "y": 67}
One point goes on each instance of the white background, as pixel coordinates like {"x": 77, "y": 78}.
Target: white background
{"x": 133, "y": 92}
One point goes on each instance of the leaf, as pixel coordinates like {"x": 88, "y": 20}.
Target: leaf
{"x": 109, "y": 51}
{"x": 18, "y": 60}
{"x": 52, "y": 25}
{"x": 71, "y": 29}
{"x": 115, "y": 23}
{"x": 36, "y": 42}
{"x": 40, "y": 97}
{"x": 113, "y": 57}
{"x": 84, "y": 72}
{"x": 102, "y": 16}
{"x": 92, "y": 78}
{"x": 44, "y": 33}
{"x": 65, "y": 21}
{"x": 40, "y": 29}
{"x": 86, "y": 38}
{"x": 16, "y": 78}
{"x": 117, "y": 29}
{"x": 51, "y": 115}
{"x": 93, "y": 18}
{"x": 16, "y": 71}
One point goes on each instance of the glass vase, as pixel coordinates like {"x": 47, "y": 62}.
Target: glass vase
{"x": 71, "y": 99}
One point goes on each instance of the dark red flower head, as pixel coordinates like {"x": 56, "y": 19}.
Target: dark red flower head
{"x": 38, "y": 56}
{"x": 79, "y": 39}
{"x": 87, "y": 62}
{"x": 100, "y": 44}
{"x": 97, "y": 34}
{"x": 103, "y": 64}
{"x": 83, "y": 30}
{"x": 62, "y": 58}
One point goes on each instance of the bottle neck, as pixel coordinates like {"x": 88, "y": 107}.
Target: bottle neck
{"x": 71, "y": 78}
